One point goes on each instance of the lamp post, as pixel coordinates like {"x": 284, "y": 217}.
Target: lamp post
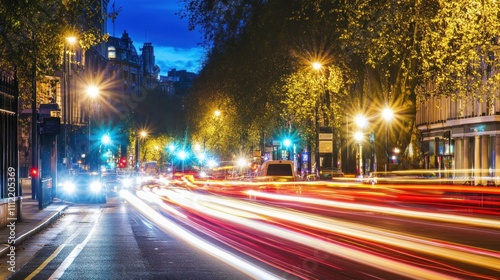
{"x": 361, "y": 122}
{"x": 358, "y": 136}
{"x": 287, "y": 143}
{"x": 106, "y": 140}
{"x": 182, "y": 156}
{"x": 92, "y": 92}
{"x": 317, "y": 66}
{"x": 141, "y": 134}
{"x": 70, "y": 41}
{"x": 171, "y": 148}
{"x": 388, "y": 114}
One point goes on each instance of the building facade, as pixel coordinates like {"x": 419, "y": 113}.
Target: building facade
{"x": 462, "y": 136}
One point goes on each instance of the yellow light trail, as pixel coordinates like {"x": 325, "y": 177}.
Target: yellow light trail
{"x": 381, "y": 209}
{"x": 483, "y": 258}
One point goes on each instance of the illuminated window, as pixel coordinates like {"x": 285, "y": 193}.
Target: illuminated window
{"x": 111, "y": 52}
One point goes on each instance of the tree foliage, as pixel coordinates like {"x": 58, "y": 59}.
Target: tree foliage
{"x": 459, "y": 51}
{"x": 32, "y": 34}
{"x": 382, "y": 53}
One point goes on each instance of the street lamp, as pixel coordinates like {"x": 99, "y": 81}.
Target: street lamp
{"x": 287, "y": 143}
{"x": 358, "y": 136}
{"x": 105, "y": 140}
{"x": 140, "y": 135}
{"x": 361, "y": 122}
{"x": 70, "y": 41}
{"x": 182, "y": 156}
{"x": 317, "y": 66}
{"x": 171, "y": 148}
{"x": 92, "y": 92}
{"x": 387, "y": 114}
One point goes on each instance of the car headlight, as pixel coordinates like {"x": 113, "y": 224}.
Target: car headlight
{"x": 95, "y": 186}
{"x": 69, "y": 187}
{"x": 127, "y": 183}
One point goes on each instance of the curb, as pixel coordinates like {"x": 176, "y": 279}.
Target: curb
{"x": 41, "y": 225}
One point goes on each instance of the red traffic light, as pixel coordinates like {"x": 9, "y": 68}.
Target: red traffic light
{"x": 123, "y": 162}
{"x": 34, "y": 172}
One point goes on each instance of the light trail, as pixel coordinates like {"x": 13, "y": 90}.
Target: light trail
{"x": 475, "y": 256}
{"x": 172, "y": 228}
{"x": 381, "y": 209}
{"x": 199, "y": 203}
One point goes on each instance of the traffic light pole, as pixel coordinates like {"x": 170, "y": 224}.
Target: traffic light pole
{"x": 35, "y": 180}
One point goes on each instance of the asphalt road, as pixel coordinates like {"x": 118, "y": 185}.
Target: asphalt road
{"x": 112, "y": 241}
{"x": 222, "y": 231}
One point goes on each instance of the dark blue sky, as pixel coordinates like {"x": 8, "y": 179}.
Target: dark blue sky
{"x": 154, "y": 21}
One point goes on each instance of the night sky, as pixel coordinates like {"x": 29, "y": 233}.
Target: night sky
{"x": 155, "y": 21}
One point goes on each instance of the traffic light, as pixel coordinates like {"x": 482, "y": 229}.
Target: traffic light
{"x": 34, "y": 172}
{"x": 123, "y": 162}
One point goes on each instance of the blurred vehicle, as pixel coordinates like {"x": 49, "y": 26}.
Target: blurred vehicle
{"x": 329, "y": 173}
{"x": 276, "y": 171}
{"x": 150, "y": 168}
{"x": 422, "y": 176}
{"x": 83, "y": 187}
{"x": 110, "y": 180}
{"x": 189, "y": 174}
{"x": 125, "y": 180}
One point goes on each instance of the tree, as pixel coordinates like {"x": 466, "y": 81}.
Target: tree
{"x": 33, "y": 34}
{"x": 386, "y": 53}
{"x": 459, "y": 51}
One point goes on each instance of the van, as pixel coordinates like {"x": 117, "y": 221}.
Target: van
{"x": 276, "y": 171}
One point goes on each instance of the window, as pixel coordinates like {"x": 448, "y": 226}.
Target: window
{"x": 111, "y": 52}
{"x": 279, "y": 170}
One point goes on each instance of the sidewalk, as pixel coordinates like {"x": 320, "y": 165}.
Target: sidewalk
{"x": 33, "y": 220}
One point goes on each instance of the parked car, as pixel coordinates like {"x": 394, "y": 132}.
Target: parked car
{"x": 276, "y": 171}
{"x": 83, "y": 187}
{"x": 329, "y": 173}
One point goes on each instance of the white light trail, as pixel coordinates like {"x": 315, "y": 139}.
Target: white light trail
{"x": 170, "y": 227}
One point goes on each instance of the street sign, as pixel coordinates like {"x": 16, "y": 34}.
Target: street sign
{"x": 325, "y": 147}
{"x": 51, "y": 125}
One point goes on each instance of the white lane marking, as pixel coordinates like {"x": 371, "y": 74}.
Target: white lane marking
{"x": 76, "y": 251}
{"x": 54, "y": 254}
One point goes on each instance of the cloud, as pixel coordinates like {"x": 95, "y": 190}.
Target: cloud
{"x": 155, "y": 21}
{"x": 168, "y": 58}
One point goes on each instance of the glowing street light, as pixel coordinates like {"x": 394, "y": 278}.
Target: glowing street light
{"x": 182, "y": 156}
{"x": 71, "y": 39}
{"x": 106, "y": 140}
{"x": 361, "y": 121}
{"x": 317, "y": 65}
{"x": 92, "y": 91}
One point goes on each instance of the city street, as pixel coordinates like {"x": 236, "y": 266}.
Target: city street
{"x": 230, "y": 230}
{"x": 111, "y": 241}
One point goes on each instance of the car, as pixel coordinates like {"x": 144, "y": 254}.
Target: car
{"x": 276, "y": 171}
{"x": 83, "y": 187}
{"x": 110, "y": 181}
{"x": 329, "y": 173}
